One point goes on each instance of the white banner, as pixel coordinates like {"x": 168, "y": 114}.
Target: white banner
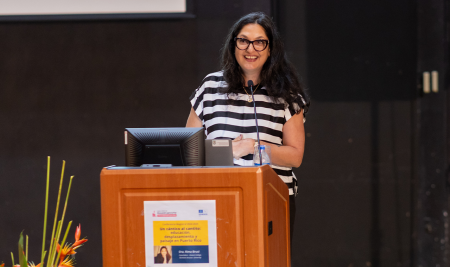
{"x": 82, "y": 7}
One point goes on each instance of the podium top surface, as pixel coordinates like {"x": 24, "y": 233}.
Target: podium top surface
{"x": 190, "y": 169}
{"x": 113, "y": 167}
{"x": 232, "y": 170}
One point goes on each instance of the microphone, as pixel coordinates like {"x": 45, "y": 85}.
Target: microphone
{"x": 250, "y": 84}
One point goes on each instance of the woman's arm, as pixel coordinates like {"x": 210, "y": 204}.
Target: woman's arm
{"x": 193, "y": 120}
{"x": 290, "y": 154}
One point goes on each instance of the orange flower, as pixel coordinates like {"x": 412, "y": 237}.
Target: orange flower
{"x": 78, "y": 232}
{"x": 66, "y": 250}
{"x": 70, "y": 249}
{"x": 66, "y": 263}
{"x": 78, "y": 242}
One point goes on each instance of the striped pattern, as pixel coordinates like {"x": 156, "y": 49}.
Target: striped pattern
{"x": 227, "y": 118}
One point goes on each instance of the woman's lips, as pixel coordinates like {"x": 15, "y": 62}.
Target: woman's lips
{"x": 250, "y": 58}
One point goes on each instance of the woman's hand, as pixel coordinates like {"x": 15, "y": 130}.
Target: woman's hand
{"x": 242, "y": 147}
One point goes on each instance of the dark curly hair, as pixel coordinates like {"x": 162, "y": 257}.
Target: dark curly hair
{"x": 278, "y": 75}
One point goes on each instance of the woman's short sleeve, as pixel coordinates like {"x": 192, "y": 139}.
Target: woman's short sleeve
{"x": 196, "y": 100}
{"x": 294, "y": 108}
{"x": 211, "y": 84}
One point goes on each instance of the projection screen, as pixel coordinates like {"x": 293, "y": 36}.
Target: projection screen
{"x": 16, "y": 9}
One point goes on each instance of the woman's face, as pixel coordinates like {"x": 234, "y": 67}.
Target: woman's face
{"x": 250, "y": 60}
{"x": 164, "y": 252}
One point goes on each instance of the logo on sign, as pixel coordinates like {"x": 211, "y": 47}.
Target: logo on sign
{"x": 202, "y": 212}
{"x": 164, "y": 213}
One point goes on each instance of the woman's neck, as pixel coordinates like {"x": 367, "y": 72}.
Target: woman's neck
{"x": 253, "y": 77}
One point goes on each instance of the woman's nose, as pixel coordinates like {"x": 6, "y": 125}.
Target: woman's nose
{"x": 252, "y": 49}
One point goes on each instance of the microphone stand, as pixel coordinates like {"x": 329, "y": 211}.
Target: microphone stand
{"x": 250, "y": 84}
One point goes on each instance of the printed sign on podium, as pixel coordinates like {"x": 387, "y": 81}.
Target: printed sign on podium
{"x": 180, "y": 233}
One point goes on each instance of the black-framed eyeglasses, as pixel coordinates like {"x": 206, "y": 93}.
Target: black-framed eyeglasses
{"x": 258, "y": 45}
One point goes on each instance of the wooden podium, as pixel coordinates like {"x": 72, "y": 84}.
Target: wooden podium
{"x": 252, "y": 211}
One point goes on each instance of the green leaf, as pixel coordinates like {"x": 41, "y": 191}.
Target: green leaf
{"x": 63, "y": 242}
{"x": 51, "y": 255}
{"x": 22, "y": 257}
{"x": 46, "y": 211}
{"x": 53, "y": 242}
{"x": 26, "y": 251}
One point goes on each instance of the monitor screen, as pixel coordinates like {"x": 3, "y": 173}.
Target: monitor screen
{"x": 157, "y": 146}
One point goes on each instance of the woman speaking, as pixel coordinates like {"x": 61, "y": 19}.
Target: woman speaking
{"x": 223, "y": 105}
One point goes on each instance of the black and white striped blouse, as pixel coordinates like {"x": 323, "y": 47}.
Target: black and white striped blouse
{"x": 227, "y": 117}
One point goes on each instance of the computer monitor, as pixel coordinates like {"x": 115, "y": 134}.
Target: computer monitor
{"x": 161, "y": 146}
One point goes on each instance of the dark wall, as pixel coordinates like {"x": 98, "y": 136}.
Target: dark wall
{"x": 68, "y": 90}
{"x": 355, "y": 180}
